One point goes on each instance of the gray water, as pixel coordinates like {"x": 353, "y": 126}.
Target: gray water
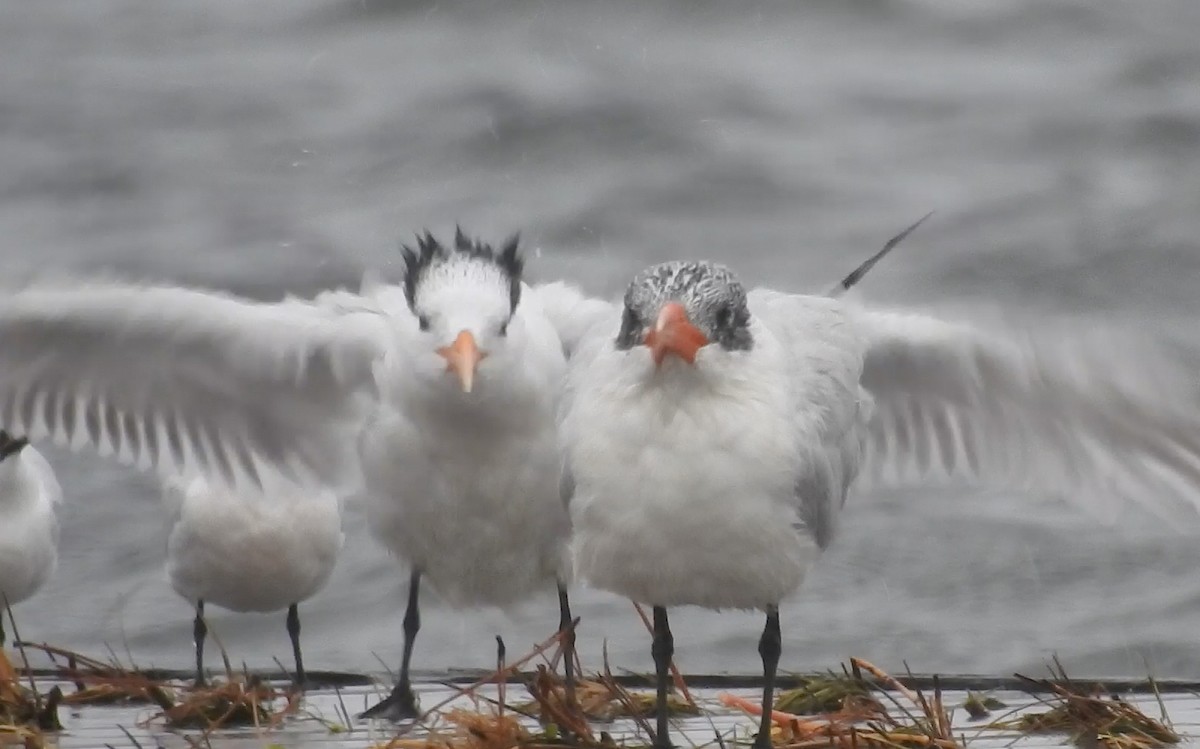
{"x": 288, "y": 144}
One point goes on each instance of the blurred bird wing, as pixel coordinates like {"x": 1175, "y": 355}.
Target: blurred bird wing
{"x": 582, "y": 324}
{"x": 572, "y": 313}
{"x": 187, "y": 381}
{"x": 1085, "y": 413}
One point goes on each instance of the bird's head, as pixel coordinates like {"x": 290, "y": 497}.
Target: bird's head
{"x": 678, "y": 309}
{"x": 10, "y": 445}
{"x": 464, "y": 297}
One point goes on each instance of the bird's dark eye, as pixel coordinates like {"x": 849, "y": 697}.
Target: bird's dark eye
{"x": 423, "y": 322}
{"x": 631, "y": 326}
{"x": 724, "y": 317}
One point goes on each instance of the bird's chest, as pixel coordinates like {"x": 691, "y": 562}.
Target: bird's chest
{"x": 664, "y": 451}
{"x": 451, "y": 463}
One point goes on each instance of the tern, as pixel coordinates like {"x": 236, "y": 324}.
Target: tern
{"x": 29, "y": 499}
{"x": 711, "y": 435}
{"x": 241, "y": 554}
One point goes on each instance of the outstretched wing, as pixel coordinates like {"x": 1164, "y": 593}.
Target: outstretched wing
{"x": 1081, "y": 412}
{"x": 187, "y": 381}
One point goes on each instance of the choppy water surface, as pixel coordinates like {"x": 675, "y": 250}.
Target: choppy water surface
{"x": 276, "y": 146}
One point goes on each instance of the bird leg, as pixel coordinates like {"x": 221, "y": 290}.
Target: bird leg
{"x": 501, "y": 652}
{"x": 769, "y": 647}
{"x": 402, "y": 703}
{"x": 199, "y": 632}
{"x": 662, "y": 649}
{"x": 293, "y": 629}
{"x": 566, "y": 626}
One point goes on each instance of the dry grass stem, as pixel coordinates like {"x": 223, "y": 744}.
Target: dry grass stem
{"x": 1099, "y": 719}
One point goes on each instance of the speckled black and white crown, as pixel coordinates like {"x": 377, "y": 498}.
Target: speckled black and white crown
{"x": 431, "y": 259}
{"x": 714, "y": 297}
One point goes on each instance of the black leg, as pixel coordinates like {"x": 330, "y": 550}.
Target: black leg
{"x": 293, "y": 628}
{"x": 567, "y": 628}
{"x": 412, "y": 625}
{"x": 402, "y": 703}
{"x": 662, "y": 650}
{"x": 199, "y": 632}
{"x": 769, "y": 647}
{"x": 502, "y": 687}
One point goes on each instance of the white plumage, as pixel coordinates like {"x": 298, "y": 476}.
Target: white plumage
{"x": 462, "y": 475}
{"x": 29, "y": 499}
{"x": 476, "y": 473}
{"x": 245, "y": 555}
{"x": 712, "y": 435}
{"x": 690, "y": 468}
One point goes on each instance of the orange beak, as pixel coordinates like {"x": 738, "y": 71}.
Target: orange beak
{"x": 673, "y": 333}
{"x": 462, "y": 357}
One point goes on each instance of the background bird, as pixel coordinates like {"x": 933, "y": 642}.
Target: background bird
{"x": 712, "y": 434}
{"x": 29, "y": 499}
{"x": 244, "y": 555}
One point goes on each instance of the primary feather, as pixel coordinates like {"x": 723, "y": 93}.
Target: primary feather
{"x": 189, "y": 381}
{"x": 1082, "y": 412}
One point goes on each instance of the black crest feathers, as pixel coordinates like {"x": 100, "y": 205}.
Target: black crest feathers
{"x": 429, "y": 253}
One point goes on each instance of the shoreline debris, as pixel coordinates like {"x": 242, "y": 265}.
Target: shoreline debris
{"x": 1092, "y": 718}
{"x": 862, "y": 707}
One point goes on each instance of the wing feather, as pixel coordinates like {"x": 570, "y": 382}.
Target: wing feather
{"x": 1086, "y": 413}
{"x": 188, "y": 381}
{"x": 571, "y": 312}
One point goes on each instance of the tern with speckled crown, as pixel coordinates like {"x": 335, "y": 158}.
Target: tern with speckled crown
{"x": 711, "y": 435}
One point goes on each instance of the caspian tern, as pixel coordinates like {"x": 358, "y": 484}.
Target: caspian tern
{"x": 711, "y": 435}
{"x": 29, "y": 497}
{"x": 241, "y": 554}
{"x": 436, "y": 400}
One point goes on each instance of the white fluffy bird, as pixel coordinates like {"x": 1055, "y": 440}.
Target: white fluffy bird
{"x": 265, "y": 555}
{"x": 462, "y": 473}
{"x": 29, "y": 497}
{"x": 436, "y": 398}
{"x": 712, "y": 435}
